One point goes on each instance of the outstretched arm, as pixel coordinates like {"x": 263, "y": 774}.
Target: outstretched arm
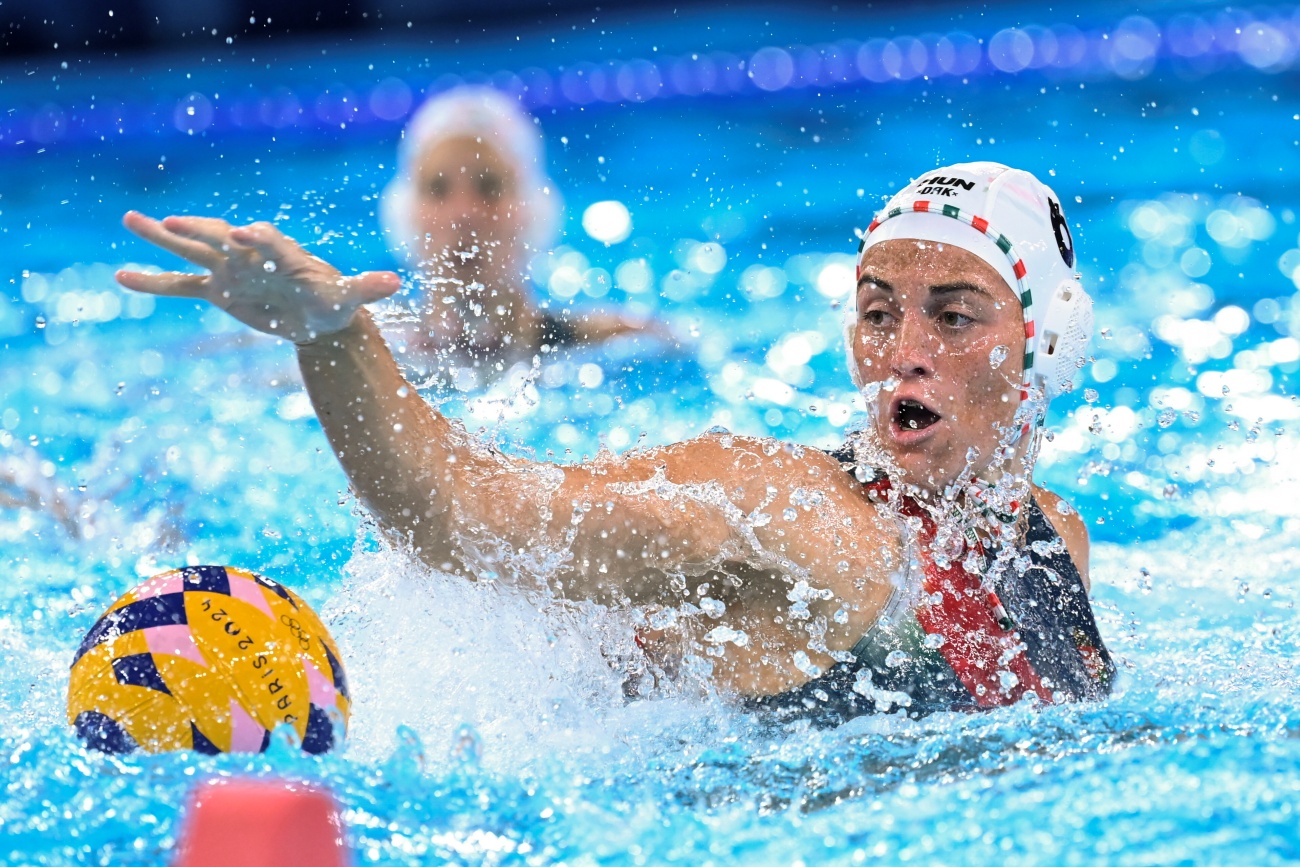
{"x": 624, "y": 528}
{"x": 427, "y": 482}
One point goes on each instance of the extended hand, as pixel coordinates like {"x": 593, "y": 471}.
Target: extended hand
{"x": 258, "y": 275}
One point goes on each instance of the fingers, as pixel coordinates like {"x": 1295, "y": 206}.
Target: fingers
{"x": 373, "y": 285}
{"x": 265, "y": 239}
{"x": 205, "y": 241}
{"x": 171, "y": 283}
{"x": 155, "y": 233}
{"x": 211, "y": 231}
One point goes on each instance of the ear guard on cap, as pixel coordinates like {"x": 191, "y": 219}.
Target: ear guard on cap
{"x": 1064, "y": 331}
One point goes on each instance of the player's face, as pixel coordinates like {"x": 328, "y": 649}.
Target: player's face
{"x": 466, "y": 197}
{"x": 942, "y": 332}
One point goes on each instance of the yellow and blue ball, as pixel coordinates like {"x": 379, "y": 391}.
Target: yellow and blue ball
{"x": 208, "y": 658}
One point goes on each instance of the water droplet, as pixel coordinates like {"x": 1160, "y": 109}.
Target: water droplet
{"x": 934, "y": 642}
{"x": 1090, "y": 395}
{"x": 997, "y": 355}
{"x": 40, "y": 321}
{"x": 663, "y": 619}
{"x": 467, "y": 745}
{"x": 1008, "y": 680}
{"x": 789, "y": 514}
{"x": 897, "y": 658}
{"x": 268, "y": 266}
{"x": 1167, "y": 417}
{"x": 804, "y": 664}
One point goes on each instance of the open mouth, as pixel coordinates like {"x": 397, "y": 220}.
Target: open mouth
{"x": 911, "y": 415}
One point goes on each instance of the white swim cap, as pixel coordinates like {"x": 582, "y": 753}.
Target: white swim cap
{"x": 1013, "y": 222}
{"x": 495, "y": 119}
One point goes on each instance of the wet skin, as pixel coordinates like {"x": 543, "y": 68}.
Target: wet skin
{"x": 929, "y": 322}
{"x": 646, "y": 528}
{"x": 939, "y": 327}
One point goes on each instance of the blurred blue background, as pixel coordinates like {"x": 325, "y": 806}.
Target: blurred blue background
{"x": 747, "y": 145}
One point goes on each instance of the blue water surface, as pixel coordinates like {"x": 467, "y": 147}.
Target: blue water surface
{"x": 136, "y": 434}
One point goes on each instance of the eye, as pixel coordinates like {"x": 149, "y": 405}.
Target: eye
{"x": 877, "y": 317}
{"x": 955, "y": 319}
{"x": 491, "y": 187}
{"x": 438, "y": 187}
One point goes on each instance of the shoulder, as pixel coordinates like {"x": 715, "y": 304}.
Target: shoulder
{"x": 1069, "y": 524}
{"x": 751, "y": 460}
{"x": 751, "y": 472}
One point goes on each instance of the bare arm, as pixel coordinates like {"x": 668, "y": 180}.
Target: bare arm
{"x": 650, "y": 526}
{"x": 425, "y": 480}
{"x": 620, "y": 524}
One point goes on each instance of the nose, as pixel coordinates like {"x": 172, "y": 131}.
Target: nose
{"x": 913, "y": 350}
{"x": 463, "y": 198}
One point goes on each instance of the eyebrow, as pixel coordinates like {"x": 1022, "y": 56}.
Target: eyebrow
{"x": 950, "y": 288}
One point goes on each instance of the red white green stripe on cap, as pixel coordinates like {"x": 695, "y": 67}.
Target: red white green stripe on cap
{"x": 981, "y": 225}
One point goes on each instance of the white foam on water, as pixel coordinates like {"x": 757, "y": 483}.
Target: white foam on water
{"x": 535, "y": 676}
{"x": 34, "y": 683}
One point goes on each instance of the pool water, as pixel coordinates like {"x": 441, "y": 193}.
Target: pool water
{"x": 489, "y": 728}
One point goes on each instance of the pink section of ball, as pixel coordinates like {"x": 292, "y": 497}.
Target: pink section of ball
{"x": 160, "y": 585}
{"x": 323, "y": 693}
{"x": 250, "y": 591}
{"x": 246, "y": 733}
{"x": 173, "y": 640}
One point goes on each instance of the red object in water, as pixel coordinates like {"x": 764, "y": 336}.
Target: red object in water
{"x": 258, "y": 823}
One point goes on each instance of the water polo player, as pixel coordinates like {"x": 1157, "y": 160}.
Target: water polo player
{"x": 469, "y": 204}
{"x": 918, "y": 567}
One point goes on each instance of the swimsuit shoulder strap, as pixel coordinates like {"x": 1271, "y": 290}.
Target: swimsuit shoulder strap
{"x": 557, "y": 331}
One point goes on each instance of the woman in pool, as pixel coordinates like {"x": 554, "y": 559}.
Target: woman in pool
{"x": 469, "y": 204}
{"x": 918, "y": 567}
